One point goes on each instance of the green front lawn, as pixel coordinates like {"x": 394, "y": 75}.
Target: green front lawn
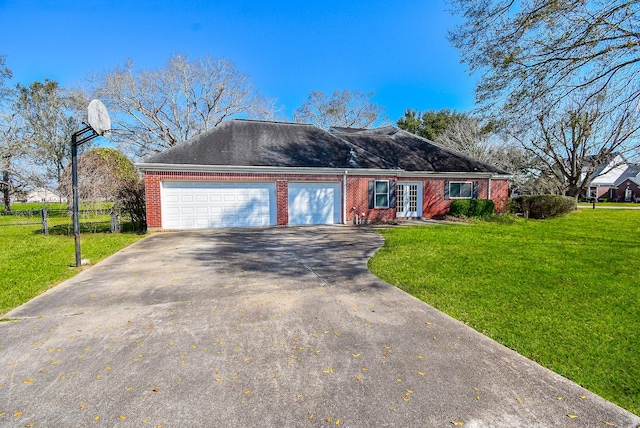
{"x": 30, "y": 262}
{"x": 563, "y": 292}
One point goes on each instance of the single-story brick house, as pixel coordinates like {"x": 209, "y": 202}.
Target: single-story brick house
{"x": 258, "y": 173}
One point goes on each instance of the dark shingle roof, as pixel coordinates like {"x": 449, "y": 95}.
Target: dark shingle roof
{"x": 411, "y": 152}
{"x": 242, "y": 142}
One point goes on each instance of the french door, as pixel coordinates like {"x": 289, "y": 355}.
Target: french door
{"x": 408, "y": 200}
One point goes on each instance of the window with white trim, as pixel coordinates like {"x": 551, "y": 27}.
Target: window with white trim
{"x": 381, "y": 194}
{"x": 461, "y": 189}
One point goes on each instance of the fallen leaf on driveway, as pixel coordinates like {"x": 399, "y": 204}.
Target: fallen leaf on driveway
{"x": 572, "y": 416}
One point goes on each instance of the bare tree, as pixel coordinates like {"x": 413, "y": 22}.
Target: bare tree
{"x": 532, "y": 55}
{"x": 466, "y": 135}
{"x": 470, "y": 136}
{"x": 5, "y": 73}
{"x": 571, "y": 146}
{"x": 351, "y": 109}
{"x": 157, "y": 109}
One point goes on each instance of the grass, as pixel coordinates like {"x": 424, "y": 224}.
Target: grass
{"x": 563, "y": 292}
{"x": 31, "y": 263}
{"x": 610, "y": 204}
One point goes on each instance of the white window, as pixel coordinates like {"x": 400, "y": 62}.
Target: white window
{"x": 381, "y": 194}
{"x": 461, "y": 189}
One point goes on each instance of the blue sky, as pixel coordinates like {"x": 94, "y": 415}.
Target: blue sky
{"x": 396, "y": 49}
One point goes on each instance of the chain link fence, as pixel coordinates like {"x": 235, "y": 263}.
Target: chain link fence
{"x": 60, "y": 221}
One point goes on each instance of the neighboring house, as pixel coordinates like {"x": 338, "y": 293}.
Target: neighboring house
{"x": 617, "y": 179}
{"x": 256, "y": 173}
{"x": 41, "y": 194}
{"x": 627, "y": 186}
{"x": 602, "y": 185}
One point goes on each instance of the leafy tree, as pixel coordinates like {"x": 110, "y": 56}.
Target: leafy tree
{"x": 50, "y": 115}
{"x": 535, "y": 54}
{"x": 350, "y": 109}
{"x": 12, "y": 152}
{"x": 101, "y": 171}
{"x": 105, "y": 174}
{"x": 157, "y": 109}
{"x": 8, "y": 149}
{"x": 429, "y": 124}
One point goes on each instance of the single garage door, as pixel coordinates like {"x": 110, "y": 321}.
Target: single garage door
{"x": 204, "y": 204}
{"x": 314, "y": 203}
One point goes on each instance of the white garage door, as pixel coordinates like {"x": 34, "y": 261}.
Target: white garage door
{"x": 314, "y": 203}
{"x": 203, "y": 204}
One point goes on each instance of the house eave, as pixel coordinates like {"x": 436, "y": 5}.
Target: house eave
{"x": 163, "y": 167}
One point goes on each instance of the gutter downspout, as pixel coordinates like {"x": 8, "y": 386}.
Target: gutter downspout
{"x": 344, "y": 197}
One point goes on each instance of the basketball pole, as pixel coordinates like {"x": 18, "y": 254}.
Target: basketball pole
{"x": 77, "y": 139}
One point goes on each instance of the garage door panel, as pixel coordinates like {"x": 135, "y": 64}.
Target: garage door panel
{"x": 188, "y": 205}
{"x": 314, "y": 203}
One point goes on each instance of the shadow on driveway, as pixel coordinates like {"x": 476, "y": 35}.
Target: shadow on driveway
{"x": 265, "y": 327}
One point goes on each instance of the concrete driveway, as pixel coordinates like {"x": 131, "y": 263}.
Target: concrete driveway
{"x": 265, "y": 327}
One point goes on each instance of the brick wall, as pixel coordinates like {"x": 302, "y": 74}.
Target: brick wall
{"x": 282, "y": 202}
{"x": 500, "y": 195}
{"x": 433, "y": 201}
{"x": 154, "y": 178}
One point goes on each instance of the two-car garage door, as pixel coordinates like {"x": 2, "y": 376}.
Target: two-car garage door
{"x": 206, "y": 204}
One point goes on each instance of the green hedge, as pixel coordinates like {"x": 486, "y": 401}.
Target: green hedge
{"x": 543, "y": 206}
{"x": 472, "y": 208}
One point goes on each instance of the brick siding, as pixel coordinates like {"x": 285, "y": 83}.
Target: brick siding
{"x": 357, "y": 192}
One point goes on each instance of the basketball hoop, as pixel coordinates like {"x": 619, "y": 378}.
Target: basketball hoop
{"x": 99, "y": 118}
{"x": 99, "y": 126}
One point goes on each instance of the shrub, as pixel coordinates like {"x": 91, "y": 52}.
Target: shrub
{"x": 543, "y": 206}
{"x": 472, "y": 208}
{"x": 482, "y": 208}
{"x": 460, "y": 207}
{"x": 131, "y": 198}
